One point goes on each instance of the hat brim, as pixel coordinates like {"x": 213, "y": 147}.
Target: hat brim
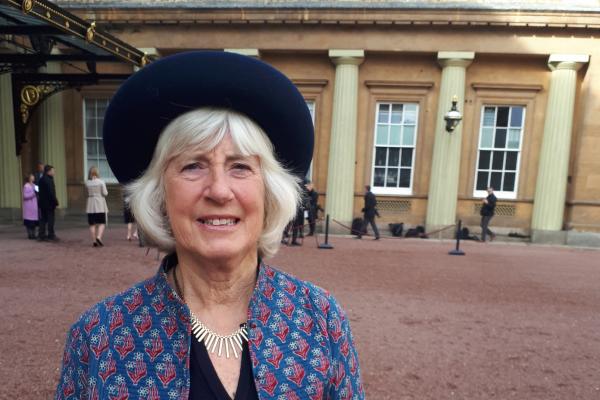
{"x": 157, "y": 94}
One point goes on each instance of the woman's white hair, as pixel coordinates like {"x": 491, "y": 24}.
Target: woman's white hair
{"x": 202, "y": 130}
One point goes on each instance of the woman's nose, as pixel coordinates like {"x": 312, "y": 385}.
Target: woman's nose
{"x": 219, "y": 188}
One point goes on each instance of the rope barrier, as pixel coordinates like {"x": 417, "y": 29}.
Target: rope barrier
{"x": 354, "y": 232}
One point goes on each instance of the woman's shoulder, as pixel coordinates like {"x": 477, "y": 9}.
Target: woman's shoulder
{"x": 102, "y": 314}
{"x": 302, "y": 290}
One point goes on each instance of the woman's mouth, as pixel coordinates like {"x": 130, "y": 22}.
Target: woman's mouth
{"x": 219, "y": 221}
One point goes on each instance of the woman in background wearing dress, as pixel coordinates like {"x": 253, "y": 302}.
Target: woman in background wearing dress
{"x": 30, "y": 206}
{"x": 96, "y": 206}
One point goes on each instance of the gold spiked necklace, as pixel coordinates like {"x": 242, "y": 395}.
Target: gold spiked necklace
{"x": 223, "y": 345}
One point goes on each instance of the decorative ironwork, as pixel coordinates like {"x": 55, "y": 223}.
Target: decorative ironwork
{"x": 71, "y": 24}
{"x": 394, "y": 206}
{"x": 501, "y": 210}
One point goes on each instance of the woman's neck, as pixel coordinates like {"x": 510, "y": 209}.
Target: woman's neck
{"x": 216, "y": 284}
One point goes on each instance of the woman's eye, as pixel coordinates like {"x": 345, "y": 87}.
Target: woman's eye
{"x": 241, "y": 170}
{"x": 190, "y": 167}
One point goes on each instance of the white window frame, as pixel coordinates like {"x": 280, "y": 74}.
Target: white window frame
{"x": 399, "y": 190}
{"x": 500, "y": 194}
{"x": 311, "y": 104}
{"x": 86, "y": 165}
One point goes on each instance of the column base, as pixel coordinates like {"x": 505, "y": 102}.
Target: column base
{"x": 11, "y": 215}
{"x": 583, "y": 239}
{"x": 548, "y": 237}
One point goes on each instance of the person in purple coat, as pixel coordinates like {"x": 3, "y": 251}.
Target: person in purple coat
{"x": 30, "y": 206}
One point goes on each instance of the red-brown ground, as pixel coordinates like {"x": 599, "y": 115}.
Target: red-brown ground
{"x": 503, "y": 322}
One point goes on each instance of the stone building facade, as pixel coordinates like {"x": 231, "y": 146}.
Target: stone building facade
{"x": 379, "y": 77}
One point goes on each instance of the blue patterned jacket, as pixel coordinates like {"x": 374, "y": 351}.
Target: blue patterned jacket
{"x": 136, "y": 345}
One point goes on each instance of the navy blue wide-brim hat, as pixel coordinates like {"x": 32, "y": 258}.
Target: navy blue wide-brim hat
{"x": 160, "y": 92}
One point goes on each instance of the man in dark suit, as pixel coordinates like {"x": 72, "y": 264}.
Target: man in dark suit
{"x": 39, "y": 172}
{"x": 47, "y": 203}
{"x": 369, "y": 213}
{"x": 312, "y": 206}
{"x": 487, "y": 212}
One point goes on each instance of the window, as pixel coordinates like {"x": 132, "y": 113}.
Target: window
{"x": 500, "y": 140}
{"x": 94, "y": 149}
{"x": 394, "y": 150}
{"x": 311, "y": 108}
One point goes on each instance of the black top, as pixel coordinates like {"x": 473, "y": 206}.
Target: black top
{"x": 205, "y": 383}
{"x": 487, "y": 209}
{"x": 47, "y": 193}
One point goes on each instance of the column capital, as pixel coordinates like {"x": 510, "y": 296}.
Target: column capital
{"x": 455, "y": 58}
{"x": 245, "y": 52}
{"x": 347, "y": 57}
{"x": 567, "y": 61}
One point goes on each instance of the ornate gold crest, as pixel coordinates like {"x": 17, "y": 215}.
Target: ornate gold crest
{"x": 27, "y": 6}
{"x": 89, "y": 34}
{"x": 30, "y": 95}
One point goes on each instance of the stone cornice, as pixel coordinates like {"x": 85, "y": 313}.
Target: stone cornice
{"x": 450, "y": 19}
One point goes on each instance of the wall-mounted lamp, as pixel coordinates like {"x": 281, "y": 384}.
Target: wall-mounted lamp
{"x": 452, "y": 117}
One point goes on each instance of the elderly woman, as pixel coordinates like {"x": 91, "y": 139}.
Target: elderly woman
{"x": 96, "y": 207}
{"x": 220, "y": 140}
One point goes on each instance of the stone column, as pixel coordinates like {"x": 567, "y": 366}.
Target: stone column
{"x": 342, "y": 146}
{"x": 10, "y": 163}
{"x": 445, "y": 166}
{"x": 52, "y": 138}
{"x": 551, "y": 185}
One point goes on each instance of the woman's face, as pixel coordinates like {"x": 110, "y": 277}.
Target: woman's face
{"x": 215, "y": 203}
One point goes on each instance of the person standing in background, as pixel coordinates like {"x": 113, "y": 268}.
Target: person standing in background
{"x": 369, "y": 213}
{"x": 487, "y": 213}
{"x": 30, "y": 206}
{"x": 312, "y": 203}
{"x": 47, "y": 203}
{"x": 39, "y": 172}
{"x": 129, "y": 219}
{"x": 96, "y": 206}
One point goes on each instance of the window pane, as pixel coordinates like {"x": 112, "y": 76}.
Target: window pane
{"x": 90, "y": 108}
{"x": 394, "y": 156}
{"x": 379, "y": 177}
{"x": 396, "y": 113}
{"x": 380, "y": 154}
{"x": 487, "y": 137}
{"x": 384, "y": 113}
{"x": 511, "y": 160}
{"x": 509, "y": 182}
{"x": 498, "y": 160}
{"x": 92, "y": 147}
{"x": 484, "y": 159}
{"x": 514, "y": 137}
{"x": 516, "y": 116}
{"x": 408, "y": 135}
{"x": 489, "y": 116}
{"x": 392, "y": 177}
{"x": 496, "y": 180}
{"x": 500, "y": 140}
{"x": 405, "y": 177}
{"x": 395, "y": 135}
{"x": 406, "y": 160}
{"x": 410, "y": 114}
{"x": 90, "y": 128}
{"x": 382, "y": 135}
{"x": 502, "y": 119}
{"x": 104, "y": 169}
{"x": 482, "y": 180}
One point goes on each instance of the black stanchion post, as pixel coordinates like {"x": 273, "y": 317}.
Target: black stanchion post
{"x": 326, "y": 245}
{"x": 457, "y": 251}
